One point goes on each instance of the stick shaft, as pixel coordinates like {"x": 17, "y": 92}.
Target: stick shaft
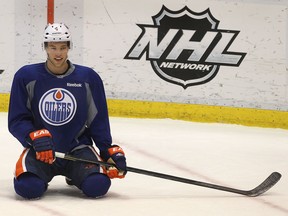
{"x": 263, "y": 187}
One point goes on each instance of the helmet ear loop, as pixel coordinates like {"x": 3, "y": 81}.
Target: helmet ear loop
{"x": 70, "y": 45}
{"x": 43, "y": 45}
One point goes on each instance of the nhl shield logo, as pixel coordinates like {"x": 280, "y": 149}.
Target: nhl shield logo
{"x": 184, "y": 47}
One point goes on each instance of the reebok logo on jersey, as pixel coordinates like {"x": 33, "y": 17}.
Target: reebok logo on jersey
{"x": 184, "y": 47}
{"x": 74, "y": 84}
{"x": 57, "y": 106}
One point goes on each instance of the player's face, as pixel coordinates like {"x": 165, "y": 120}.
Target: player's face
{"x": 57, "y": 53}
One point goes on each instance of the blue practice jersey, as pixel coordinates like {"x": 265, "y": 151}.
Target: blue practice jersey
{"x": 71, "y": 106}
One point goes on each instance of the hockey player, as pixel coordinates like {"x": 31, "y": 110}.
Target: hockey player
{"x": 60, "y": 106}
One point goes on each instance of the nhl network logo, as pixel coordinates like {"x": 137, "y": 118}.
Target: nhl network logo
{"x": 184, "y": 47}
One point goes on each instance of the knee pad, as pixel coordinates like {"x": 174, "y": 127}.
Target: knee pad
{"x": 96, "y": 185}
{"x": 29, "y": 186}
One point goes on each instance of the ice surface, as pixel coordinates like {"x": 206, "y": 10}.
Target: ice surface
{"x": 229, "y": 155}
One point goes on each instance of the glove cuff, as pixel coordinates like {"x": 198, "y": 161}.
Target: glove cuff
{"x": 112, "y": 150}
{"x": 39, "y": 133}
{"x": 115, "y": 150}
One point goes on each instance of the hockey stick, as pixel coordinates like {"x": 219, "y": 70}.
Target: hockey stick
{"x": 260, "y": 189}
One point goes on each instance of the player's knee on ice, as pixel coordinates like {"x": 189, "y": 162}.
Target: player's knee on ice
{"x": 96, "y": 185}
{"x": 29, "y": 186}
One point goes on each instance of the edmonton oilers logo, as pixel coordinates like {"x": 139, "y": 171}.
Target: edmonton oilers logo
{"x": 57, "y": 106}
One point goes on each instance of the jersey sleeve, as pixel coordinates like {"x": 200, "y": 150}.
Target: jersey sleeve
{"x": 19, "y": 114}
{"x": 98, "y": 118}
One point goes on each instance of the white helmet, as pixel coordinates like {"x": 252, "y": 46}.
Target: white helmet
{"x": 57, "y": 32}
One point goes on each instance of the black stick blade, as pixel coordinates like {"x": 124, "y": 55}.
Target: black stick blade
{"x": 265, "y": 185}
